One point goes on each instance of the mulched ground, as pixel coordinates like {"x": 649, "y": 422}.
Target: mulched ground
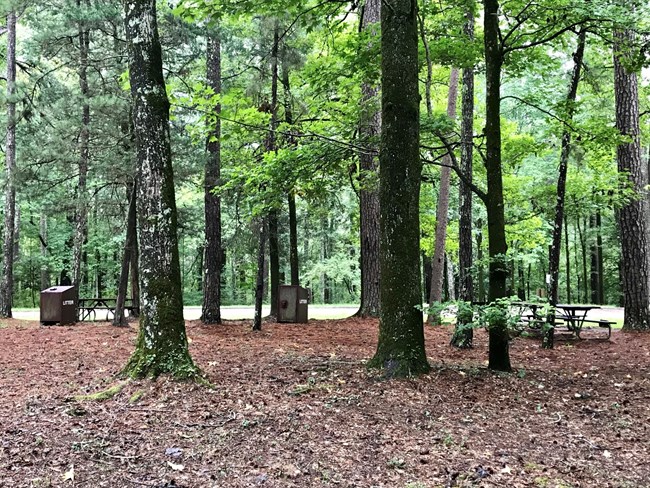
{"x": 293, "y": 406}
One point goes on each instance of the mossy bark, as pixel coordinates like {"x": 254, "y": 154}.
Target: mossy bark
{"x": 162, "y": 346}
{"x": 400, "y": 350}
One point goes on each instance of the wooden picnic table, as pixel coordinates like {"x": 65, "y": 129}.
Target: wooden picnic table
{"x": 574, "y": 315}
{"x": 87, "y": 307}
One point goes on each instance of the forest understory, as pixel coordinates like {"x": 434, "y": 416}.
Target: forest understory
{"x": 294, "y": 405}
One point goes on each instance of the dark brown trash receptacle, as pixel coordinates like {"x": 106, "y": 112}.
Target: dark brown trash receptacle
{"x": 292, "y": 304}
{"x": 59, "y": 305}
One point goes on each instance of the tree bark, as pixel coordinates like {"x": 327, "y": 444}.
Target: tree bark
{"x": 271, "y": 145}
{"x": 213, "y": 255}
{"x": 45, "y": 273}
{"x": 479, "y": 258}
{"x": 119, "y": 317}
{"x": 463, "y": 336}
{"x": 259, "y": 282}
{"x": 135, "y": 272}
{"x": 400, "y": 349}
{"x": 81, "y": 214}
{"x": 599, "y": 252}
{"x": 499, "y": 355}
{"x": 556, "y": 244}
{"x": 594, "y": 272}
{"x": 274, "y": 260}
{"x": 369, "y": 132}
{"x": 631, "y": 219}
{"x": 442, "y": 209}
{"x": 567, "y": 260}
{"x": 293, "y": 240}
{"x": 291, "y": 196}
{"x": 6, "y": 290}
{"x": 162, "y": 346}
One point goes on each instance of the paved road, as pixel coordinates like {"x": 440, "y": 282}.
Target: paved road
{"x": 315, "y": 312}
{"x": 232, "y": 313}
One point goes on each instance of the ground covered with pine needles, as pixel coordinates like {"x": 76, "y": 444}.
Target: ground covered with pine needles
{"x": 294, "y": 406}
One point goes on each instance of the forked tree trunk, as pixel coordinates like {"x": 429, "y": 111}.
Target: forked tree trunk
{"x": 369, "y": 132}
{"x": 442, "y": 209}
{"x": 162, "y": 346}
{"x": 7, "y": 283}
{"x": 400, "y": 349}
{"x": 556, "y": 244}
{"x": 631, "y": 219}
{"x": 212, "y": 262}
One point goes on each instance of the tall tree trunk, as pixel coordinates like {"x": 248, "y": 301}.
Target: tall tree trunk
{"x": 400, "y": 349}
{"x": 119, "y": 317}
{"x": 631, "y": 219}
{"x": 81, "y": 215}
{"x": 568, "y": 260}
{"x": 442, "y": 210}
{"x": 556, "y": 244}
{"x": 599, "y": 251}
{"x": 291, "y": 196}
{"x": 6, "y": 290}
{"x": 499, "y": 355}
{"x": 271, "y": 145}
{"x": 274, "y": 260}
{"x": 583, "y": 247}
{"x": 594, "y": 272}
{"x": 45, "y": 272}
{"x": 293, "y": 240}
{"x": 463, "y": 335}
{"x": 449, "y": 278}
{"x": 135, "y": 272}
{"x": 162, "y": 345}
{"x": 479, "y": 258}
{"x": 259, "y": 281}
{"x": 576, "y": 257}
{"x": 211, "y": 310}
{"x": 369, "y": 132}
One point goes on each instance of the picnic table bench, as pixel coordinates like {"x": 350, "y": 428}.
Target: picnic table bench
{"x": 88, "y": 307}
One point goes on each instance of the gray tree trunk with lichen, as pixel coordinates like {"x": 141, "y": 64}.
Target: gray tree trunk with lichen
{"x": 161, "y": 346}
{"x": 400, "y": 350}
